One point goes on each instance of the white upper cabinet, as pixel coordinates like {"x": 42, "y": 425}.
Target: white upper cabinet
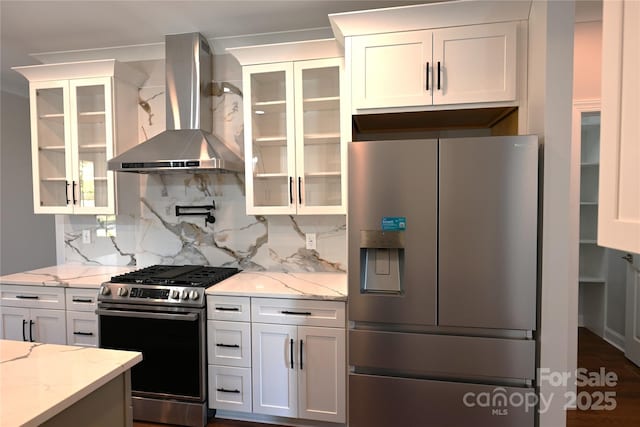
{"x": 74, "y": 111}
{"x": 295, "y": 130}
{"x": 461, "y": 65}
{"x": 619, "y": 195}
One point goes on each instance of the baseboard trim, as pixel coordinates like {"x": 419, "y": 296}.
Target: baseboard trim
{"x": 614, "y": 338}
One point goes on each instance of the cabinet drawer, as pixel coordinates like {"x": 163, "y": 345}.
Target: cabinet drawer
{"x": 230, "y": 388}
{"x": 228, "y": 308}
{"x": 298, "y": 312}
{"x": 81, "y": 299}
{"x": 82, "y": 328}
{"x": 229, "y": 343}
{"x": 32, "y": 296}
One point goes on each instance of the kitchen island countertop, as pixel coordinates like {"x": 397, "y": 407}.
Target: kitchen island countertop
{"x": 324, "y": 286}
{"x": 39, "y": 381}
{"x": 66, "y": 275}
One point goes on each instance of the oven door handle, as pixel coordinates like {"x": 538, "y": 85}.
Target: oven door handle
{"x": 147, "y": 315}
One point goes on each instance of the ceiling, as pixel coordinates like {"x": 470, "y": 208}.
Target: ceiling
{"x": 29, "y": 27}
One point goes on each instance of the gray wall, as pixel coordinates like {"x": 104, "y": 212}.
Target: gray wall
{"x": 27, "y": 240}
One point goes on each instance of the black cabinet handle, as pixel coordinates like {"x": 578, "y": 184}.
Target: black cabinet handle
{"x": 31, "y": 323}
{"x": 301, "y": 353}
{"x": 67, "y": 192}
{"x": 299, "y": 190}
{"x": 73, "y": 192}
{"x": 438, "y": 75}
{"x": 298, "y": 313}
{"x": 227, "y": 309}
{"x": 27, "y": 296}
{"x": 427, "y": 75}
{"x": 24, "y": 323}
{"x": 290, "y": 190}
{"x": 86, "y": 334}
{"x": 224, "y": 390}
{"x": 291, "y": 352}
{"x": 228, "y": 345}
{"x": 88, "y": 300}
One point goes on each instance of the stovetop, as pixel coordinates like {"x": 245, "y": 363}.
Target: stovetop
{"x": 164, "y": 285}
{"x": 178, "y": 275}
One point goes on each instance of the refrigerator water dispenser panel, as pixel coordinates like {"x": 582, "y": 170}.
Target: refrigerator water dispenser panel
{"x": 381, "y": 261}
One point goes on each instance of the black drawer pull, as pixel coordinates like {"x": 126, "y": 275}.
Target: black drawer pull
{"x": 87, "y": 300}
{"x": 86, "y": 334}
{"x": 228, "y": 345}
{"x": 224, "y": 390}
{"x": 27, "y": 296}
{"x": 298, "y": 313}
{"x": 227, "y": 309}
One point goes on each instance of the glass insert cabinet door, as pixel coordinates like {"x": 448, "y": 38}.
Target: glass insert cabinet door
{"x": 92, "y": 144}
{"x": 72, "y": 136}
{"x": 270, "y": 157}
{"x": 293, "y": 145}
{"x": 319, "y": 154}
{"x": 51, "y": 156}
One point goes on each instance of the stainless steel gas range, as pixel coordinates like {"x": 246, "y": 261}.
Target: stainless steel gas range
{"x": 161, "y": 312}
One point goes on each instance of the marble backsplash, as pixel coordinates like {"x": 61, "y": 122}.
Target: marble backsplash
{"x": 154, "y": 235}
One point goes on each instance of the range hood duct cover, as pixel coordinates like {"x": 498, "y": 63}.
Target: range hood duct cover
{"x": 187, "y": 144}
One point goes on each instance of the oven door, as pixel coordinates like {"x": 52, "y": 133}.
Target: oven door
{"x": 172, "y": 343}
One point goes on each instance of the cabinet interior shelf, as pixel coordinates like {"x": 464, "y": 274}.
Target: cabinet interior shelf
{"x": 590, "y": 279}
{"x": 51, "y": 148}
{"x": 63, "y": 179}
{"x": 92, "y": 147}
{"x": 52, "y": 116}
{"x": 322, "y": 138}
{"x": 271, "y": 140}
{"x": 322, "y": 103}
{"x": 588, "y": 242}
{"x": 271, "y": 175}
{"x": 91, "y": 117}
{"x": 590, "y": 164}
{"x": 321, "y": 174}
{"x": 269, "y": 107}
{"x": 588, "y": 203}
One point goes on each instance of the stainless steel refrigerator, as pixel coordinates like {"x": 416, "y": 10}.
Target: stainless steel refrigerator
{"x": 442, "y": 282}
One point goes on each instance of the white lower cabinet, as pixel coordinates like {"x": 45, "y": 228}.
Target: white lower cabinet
{"x": 299, "y": 371}
{"x": 33, "y": 324}
{"x": 289, "y": 361}
{"x": 229, "y": 353}
{"x": 82, "y": 320}
{"x": 32, "y": 313}
{"x": 299, "y": 368}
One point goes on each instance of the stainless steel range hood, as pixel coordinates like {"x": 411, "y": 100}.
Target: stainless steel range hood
{"x": 187, "y": 144}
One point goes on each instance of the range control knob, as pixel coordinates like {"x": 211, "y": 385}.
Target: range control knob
{"x": 184, "y": 294}
{"x": 175, "y": 294}
{"x": 104, "y": 290}
{"x": 194, "y": 295}
{"x": 123, "y": 292}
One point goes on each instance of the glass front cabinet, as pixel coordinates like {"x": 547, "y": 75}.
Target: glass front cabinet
{"x": 74, "y": 133}
{"x": 295, "y": 148}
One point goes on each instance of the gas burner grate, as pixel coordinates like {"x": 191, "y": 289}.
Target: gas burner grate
{"x": 181, "y": 275}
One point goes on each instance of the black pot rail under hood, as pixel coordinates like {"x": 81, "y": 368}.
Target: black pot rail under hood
{"x": 187, "y": 144}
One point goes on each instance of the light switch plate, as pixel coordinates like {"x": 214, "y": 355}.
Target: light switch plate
{"x": 311, "y": 240}
{"x": 86, "y": 236}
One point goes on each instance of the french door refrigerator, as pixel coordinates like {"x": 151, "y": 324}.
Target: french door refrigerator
{"x": 442, "y": 282}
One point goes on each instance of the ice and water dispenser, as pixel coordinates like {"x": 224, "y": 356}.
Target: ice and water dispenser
{"x": 381, "y": 261}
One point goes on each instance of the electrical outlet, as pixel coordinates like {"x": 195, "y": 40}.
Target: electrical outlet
{"x": 311, "y": 240}
{"x": 86, "y": 236}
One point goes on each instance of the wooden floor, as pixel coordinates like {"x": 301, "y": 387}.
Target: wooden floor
{"x": 593, "y": 353}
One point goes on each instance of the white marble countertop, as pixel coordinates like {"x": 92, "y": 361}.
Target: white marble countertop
{"x": 325, "y": 286}
{"x": 38, "y": 381}
{"x": 67, "y": 275}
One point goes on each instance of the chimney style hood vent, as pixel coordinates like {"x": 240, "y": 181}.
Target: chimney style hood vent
{"x": 187, "y": 144}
